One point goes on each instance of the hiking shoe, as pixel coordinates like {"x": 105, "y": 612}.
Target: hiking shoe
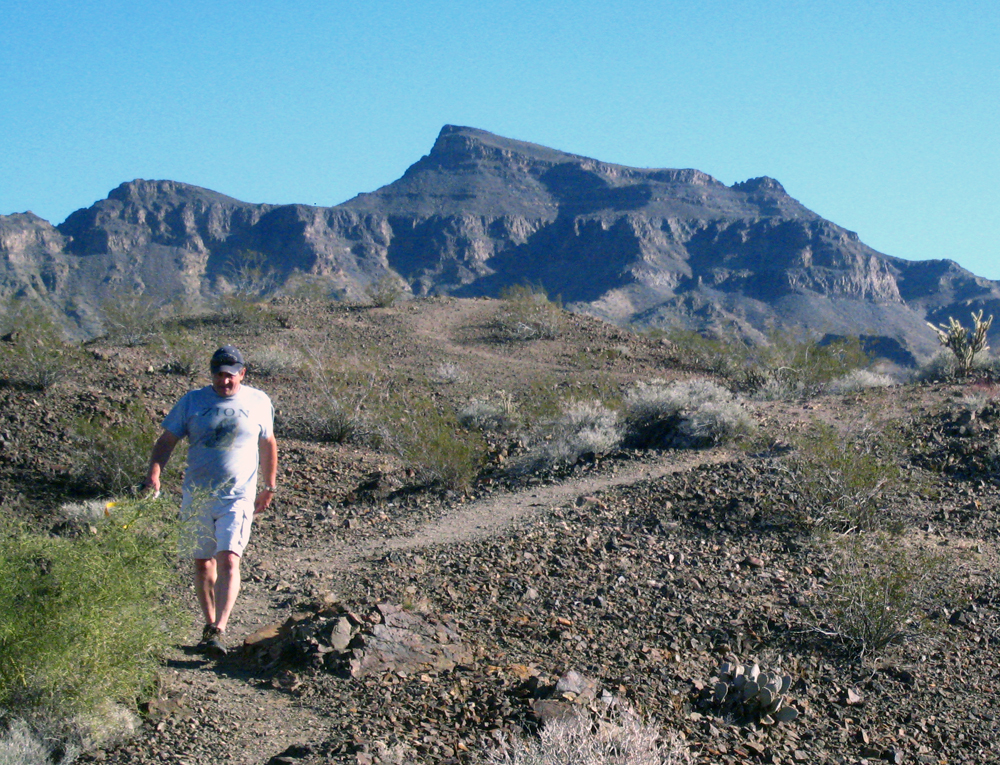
{"x": 211, "y": 642}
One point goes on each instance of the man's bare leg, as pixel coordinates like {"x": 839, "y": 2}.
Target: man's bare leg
{"x": 227, "y": 586}
{"x": 205, "y": 582}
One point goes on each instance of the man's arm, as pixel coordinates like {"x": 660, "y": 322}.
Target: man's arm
{"x": 268, "y": 471}
{"x": 162, "y": 450}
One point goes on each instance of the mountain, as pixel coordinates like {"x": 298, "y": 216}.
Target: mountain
{"x": 650, "y": 247}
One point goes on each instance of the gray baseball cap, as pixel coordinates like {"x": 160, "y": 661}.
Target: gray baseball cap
{"x": 228, "y": 359}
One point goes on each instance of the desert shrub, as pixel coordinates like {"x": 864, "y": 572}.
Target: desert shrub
{"x": 785, "y": 366}
{"x": 841, "y": 479}
{"x": 858, "y": 380}
{"x": 385, "y": 291}
{"x": 36, "y": 354}
{"x": 682, "y": 413}
{"x": 113, "y": 449}
{"x": 275, "y": 360}
{"x": 84, "y": 621}
{"x": 131, "y": 319}
{"x": 249, "y": 279}
{"x": 879, "y": 593}
{"x": 182, "y": 354}
{"x": 794, "y": 367}
{"x": 527, "y": 313}
{"x": 339, "y": 397}
{"x": 22, "y": 744}
{"x": 621, "y": 738}
{"x": 448, "y": 372}
{"x": 497, "y": 414}
{"x": 431, "y": 441}
{"x": 724, "y": 357}
{"x": 582, "y": 428}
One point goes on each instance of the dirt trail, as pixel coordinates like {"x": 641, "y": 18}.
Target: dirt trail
{"x": 490, "y": 516}
{"x": 260, "y": 723}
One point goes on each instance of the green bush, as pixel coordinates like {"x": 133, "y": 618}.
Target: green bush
{"x": 431, "y": 441}
{"x": 786, "y": 366}
{"x": 37, "y": 354}
{"x": 339, "y": 400}
{"x": 113, "y": 451}
{"x": 527, "y": 313}
{"x": 248, "y": 279}
{"x": 274, "y": 361}
{"x": 879, "y": 593}
{"x": 86, "y": 620}
{"x": 497, "y": 414}
{"x": 182, "y": 354}
{"x": 385, "y": 291}
{"x": 859, "y": 380}
{"x": 131, "y": 319}
{"x": 842, "y": 479}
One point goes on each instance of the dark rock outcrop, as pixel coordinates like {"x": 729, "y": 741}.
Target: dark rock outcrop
{"x": 654, "y": 247}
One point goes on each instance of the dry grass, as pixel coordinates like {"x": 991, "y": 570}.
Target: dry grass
{"x": 622, "y": 738}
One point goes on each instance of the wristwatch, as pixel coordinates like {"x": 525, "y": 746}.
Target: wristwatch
{"x": 272, "y": 489}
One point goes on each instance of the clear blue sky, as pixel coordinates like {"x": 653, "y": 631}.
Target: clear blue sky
{"x": 881, "y": 116}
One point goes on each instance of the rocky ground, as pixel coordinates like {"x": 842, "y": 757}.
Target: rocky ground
{"x": 384, "y": 623}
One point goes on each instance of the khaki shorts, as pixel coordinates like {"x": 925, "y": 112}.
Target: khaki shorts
{"x": 210, "y": 525}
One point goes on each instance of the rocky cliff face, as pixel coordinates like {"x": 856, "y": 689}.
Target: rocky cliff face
{"x": 481, "y": 212}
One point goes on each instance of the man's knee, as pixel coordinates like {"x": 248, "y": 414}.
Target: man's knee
{"x": 227, "y": 560}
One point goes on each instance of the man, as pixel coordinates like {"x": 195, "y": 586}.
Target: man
{"x": 230, "y": 431}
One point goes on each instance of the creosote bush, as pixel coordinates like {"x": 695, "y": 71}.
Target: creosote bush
{"x": 880, "y": 592}
{"x": 250, "y": 279}
{"x": 621, "y": 738}
{"x": 842, "y": 478}
{"x": 182, "y": 355}
{"x": 84, "y": 621}
{"x": 113, "y": 450}
{"x": 527, "y": 313}
{"x": 131, "y": 319}
{"x": 496, "y": 414}
{"x": 786, "y": 366}
{"x": 431, "y": 441}
{"x": 275, "y": 360}
{"x": 36, "y": 354}
{"x": 340, "y": 398}
{"x": 858, "y": 380}
{"x": 385, "y": 291}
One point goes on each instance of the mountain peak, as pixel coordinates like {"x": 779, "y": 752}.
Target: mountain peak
{"x": 762, "y": 184}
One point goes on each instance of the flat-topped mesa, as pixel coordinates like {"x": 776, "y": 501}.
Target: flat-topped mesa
{"x": 471, "y": 172}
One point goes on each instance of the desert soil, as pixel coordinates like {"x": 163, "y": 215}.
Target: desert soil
{"x": 641, "y": 570}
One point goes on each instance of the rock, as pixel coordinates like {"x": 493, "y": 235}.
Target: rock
{"x": 406, "y": 642}
{"x": 576, "y": 688}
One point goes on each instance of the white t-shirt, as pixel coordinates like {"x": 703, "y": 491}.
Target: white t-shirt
{"x": 223, "y": 433}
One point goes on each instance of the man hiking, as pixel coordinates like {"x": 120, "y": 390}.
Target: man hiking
{"x": 229, "y": 427}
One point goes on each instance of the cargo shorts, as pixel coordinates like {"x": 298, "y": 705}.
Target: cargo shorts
{"x": 210, "y": 525}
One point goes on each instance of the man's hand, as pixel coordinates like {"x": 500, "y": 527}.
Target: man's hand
{"x": 162, "y": 450}
{"x": 263, "y": 501}
{"x": 150, "y": 487}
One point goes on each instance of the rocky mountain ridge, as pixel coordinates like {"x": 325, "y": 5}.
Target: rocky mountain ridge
{"x": 651, "y": 247}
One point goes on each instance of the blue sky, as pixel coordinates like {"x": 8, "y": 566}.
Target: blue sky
{"x": 881, "y": 116}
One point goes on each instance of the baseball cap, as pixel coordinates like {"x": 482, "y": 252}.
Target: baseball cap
{"x": 227, "y": 359}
